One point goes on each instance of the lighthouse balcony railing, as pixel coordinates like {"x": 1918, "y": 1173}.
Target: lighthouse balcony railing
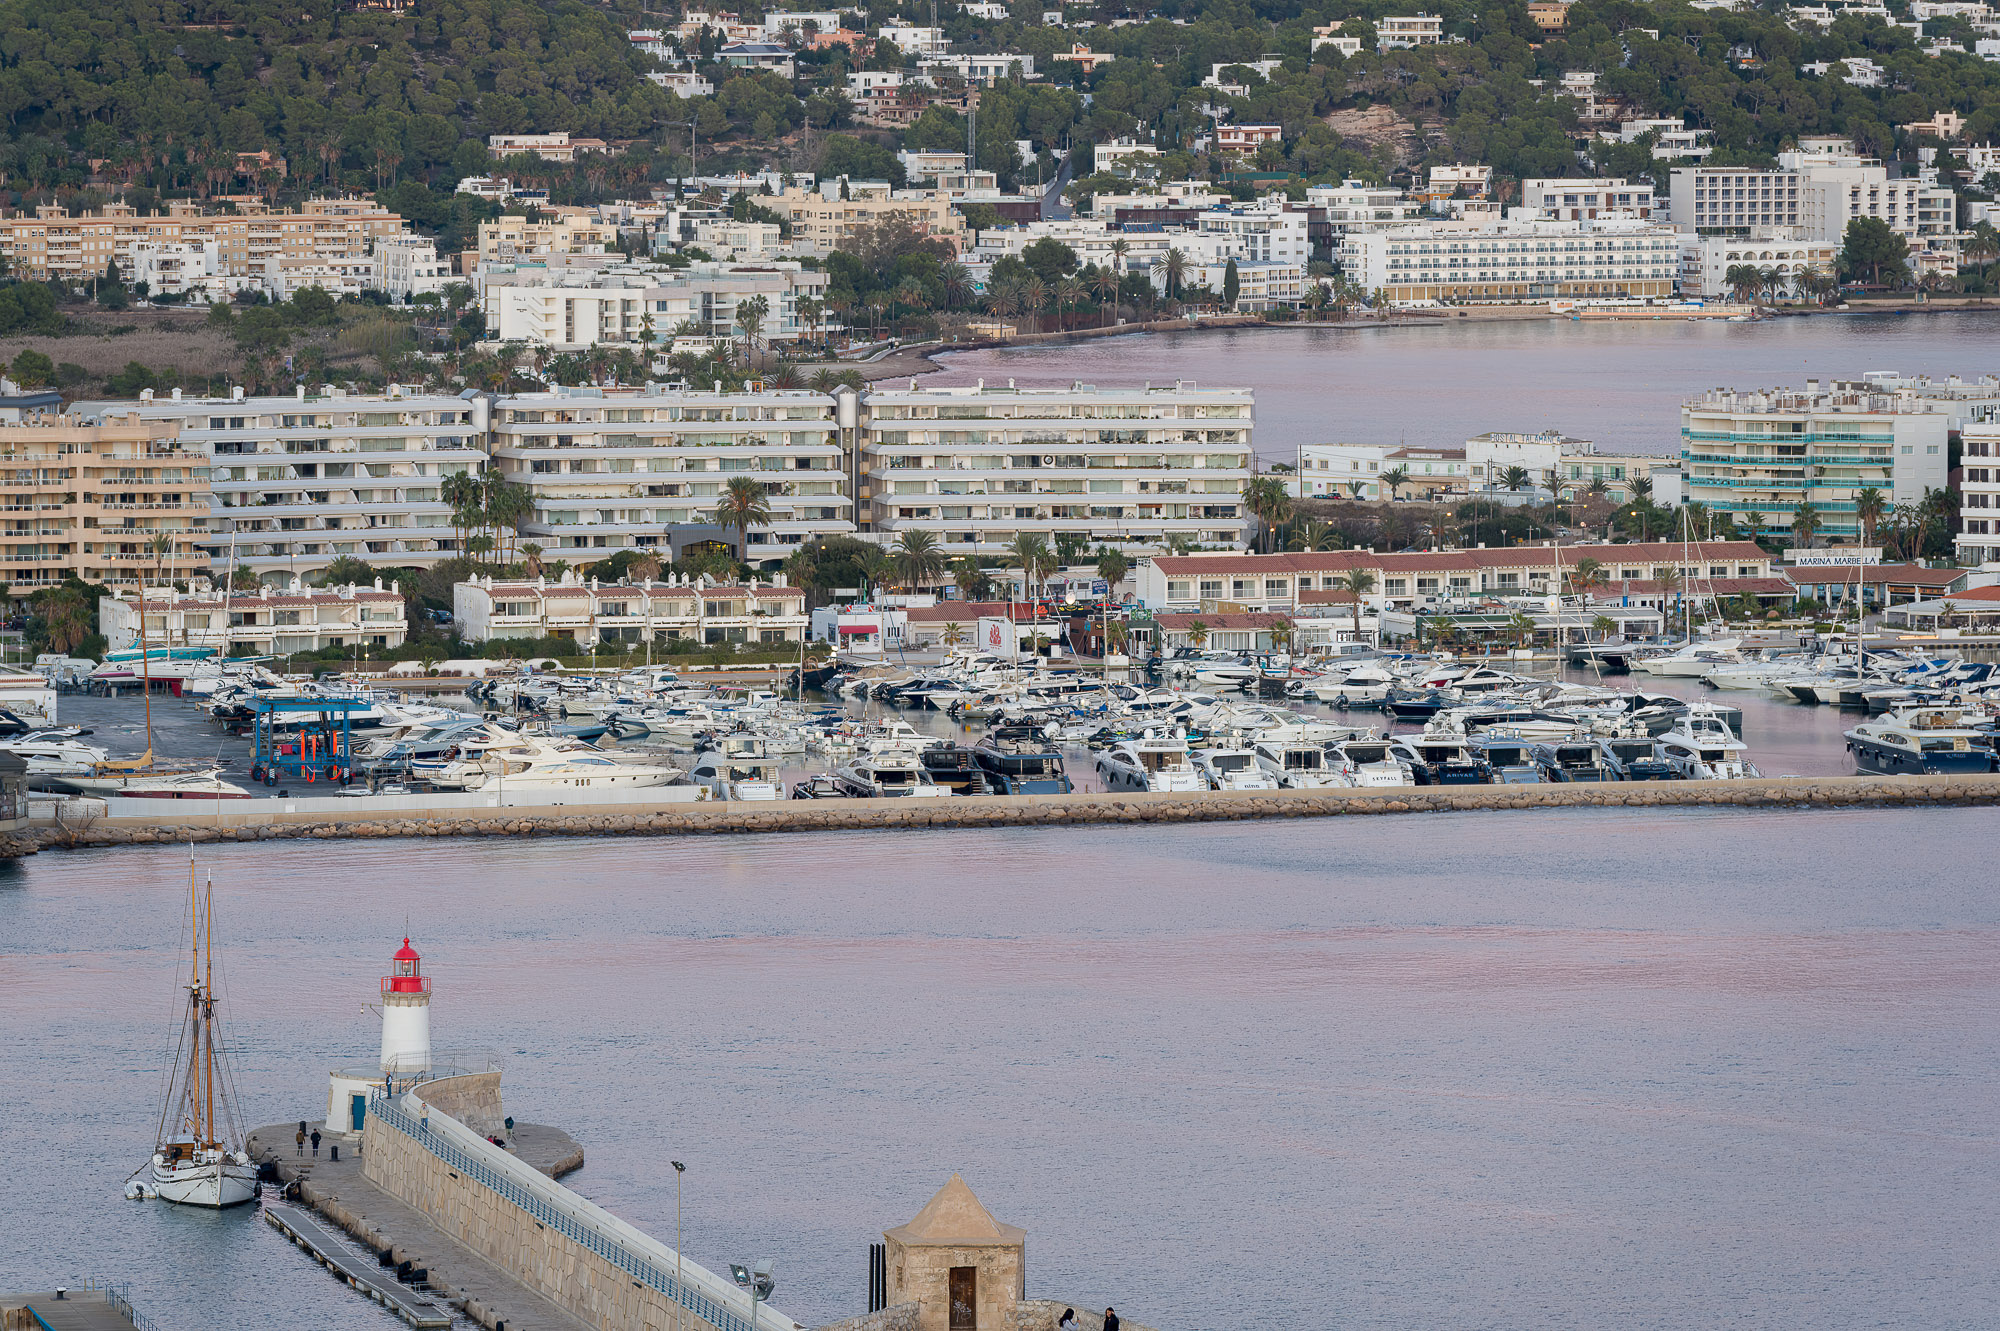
{"x": 646, "y": 1260}
{"x": 405, "y": 984}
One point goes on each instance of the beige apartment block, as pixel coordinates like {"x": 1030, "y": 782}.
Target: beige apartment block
{"x": 109, "y": 499}
{"x": 821, "y": 225}
{"x": 556, "y": 231}
{"x": 52, "y": 244}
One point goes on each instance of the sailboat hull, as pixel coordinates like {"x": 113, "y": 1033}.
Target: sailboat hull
{"x": 217, "y": 1182}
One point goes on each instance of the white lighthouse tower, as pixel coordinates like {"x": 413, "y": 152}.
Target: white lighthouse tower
{"x": 406, "y": 1015}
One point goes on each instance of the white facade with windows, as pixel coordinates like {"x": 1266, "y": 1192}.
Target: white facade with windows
{"x": 593, "y": 614}
{"x": 1395, "y": 32}
{"x": 1515, "y": 261}
{"x": 1129, "y": 467}
{"x": 299, "y": 482}
{"x": 409, "y": 266}
{"x": 1978, "y": 540}
{"x": 1572, "y": 200}
{"x": 617, "y": 469}
{"x": 1706, "y": 260}
{"x": 267, "y": 621}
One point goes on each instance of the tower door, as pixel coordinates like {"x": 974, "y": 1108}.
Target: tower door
{"x": 357, "y": 1110}
{"x": 964, "y": 1298}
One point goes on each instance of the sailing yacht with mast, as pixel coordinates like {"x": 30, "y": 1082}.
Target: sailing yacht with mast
{"x": 198, "y": 1159}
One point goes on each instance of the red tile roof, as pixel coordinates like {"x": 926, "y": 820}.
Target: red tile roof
{"x": 1973, "y": 594}
{"x": 1181, "y": 623}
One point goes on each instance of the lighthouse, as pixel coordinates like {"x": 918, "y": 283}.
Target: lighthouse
{"x": 406, "y": 1015}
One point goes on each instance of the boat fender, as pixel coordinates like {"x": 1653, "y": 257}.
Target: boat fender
{"x": 312, "y": 774}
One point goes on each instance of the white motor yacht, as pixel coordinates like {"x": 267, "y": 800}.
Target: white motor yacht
{"x": 50, "y": 755}
{"x": 888, "y": 773}
{"x": 1299, "y": 766}
{"x": 1151, "y": 762}
{"x": 739, "y": 769}
{"x": 1702, "y": 747}
{"x": 1372, "y": 763}
{"x": 1231, "y": 769}
{"x": 1693, "y": 660}
{"x": 1923, "y": 741}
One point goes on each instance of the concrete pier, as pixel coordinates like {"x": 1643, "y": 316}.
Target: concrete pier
{"x": 338, "y": 1190}
{"x": 268, "y": 820}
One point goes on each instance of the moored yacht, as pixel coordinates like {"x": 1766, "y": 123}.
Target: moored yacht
{"x": 1231, "y": 769}
{"x": 1017, "y": 760}
{"x": 1151, "y": 762}
{"x": 1924, "y": 741}
{"x": 1702, "y": 747}
{"x": 1298, "y": 765}
{"x": 891, "y": 773}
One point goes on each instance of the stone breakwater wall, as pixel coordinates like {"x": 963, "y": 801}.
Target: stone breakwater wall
{"x": 691, "y": 819}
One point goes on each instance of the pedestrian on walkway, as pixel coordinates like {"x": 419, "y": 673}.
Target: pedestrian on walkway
{"x": 1068, "y": 1322}
{"x": 1110, "y": 1320}
{"x": 301, "y": 1140}
{"x": 315, "y": 1142}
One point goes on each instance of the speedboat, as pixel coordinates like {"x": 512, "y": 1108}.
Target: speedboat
{"x": 740, "y": 772}
{"x": 133, "y": 666}
{"x": 1509, "y": 757}
{"x": 1441, "y": 760}
{"x": 1231, "y": 769}
{"x": 140, "y": 783}
{"x": 1636, "y": 758}
{"x": 1150, "y": 762}
{"x": 1693, "y": 660}
{"x": 1926, "y": 741}
{"x": 1702, "y": 747}
{"x": 49, "y": 754}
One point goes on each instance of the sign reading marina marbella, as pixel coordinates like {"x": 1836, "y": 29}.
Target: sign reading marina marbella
{"x": 1835, "y": 558}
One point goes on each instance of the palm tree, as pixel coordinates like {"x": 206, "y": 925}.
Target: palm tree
{"x": 1105, "y": 283}
{"x": 1034, "y": 298}
{"x": 1396, "y": 478}
{"x": 1604, "y": 626}
{"x": 1869, "y": 506}
{"x": 1112, "y": 566}
{"x": 1806, "y": 523}
{"x": 1281, "y": 634}
{"x": 956, "y": 280}
{"x": 1172, "y": 268}
{"x": 1198, "y": 634}
{"x": 917, "y": 558}
{"x": 646, "y": 568}
{"x": 743, "y": 505}
{"x": 971, "y": 579}
{"x": 1036, "y": 561}
{"x": 1070, "y": 292}
{"x": 461, "y": 491}
{"x": 160, "y": 545}
{"x": 1269, "y": 501}
{"x": 1589, "y": 575}
{"x": 1752, "y": 523}
{"x": 1358, "y": 582}
{"x": 1520, "y": 628}
{"x": 953, "y": 634}
{"x": 531, "y": 560}
{"x": 1516, "y": 478}
{"x": 750, "y": 316}
{"x": 1317, "y": 535}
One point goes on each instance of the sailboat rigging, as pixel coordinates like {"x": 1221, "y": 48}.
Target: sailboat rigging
{"x": 198, "y": 1157}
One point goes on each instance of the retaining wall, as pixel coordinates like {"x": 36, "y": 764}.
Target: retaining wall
{"x": 572, "y": 1251}
{"x": 473, "y": 1098}
{"x": 1026, "y": 810}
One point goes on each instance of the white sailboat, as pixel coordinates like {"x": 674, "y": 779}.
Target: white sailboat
{"x": 198, "y": 1159}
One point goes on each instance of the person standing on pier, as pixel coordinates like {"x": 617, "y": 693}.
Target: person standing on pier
{"x": 1110, "y": 1320}
{"x": 1068, "y": 1322}
{"x": 301, "y": 1140}
{"x": 315, "y": 1142}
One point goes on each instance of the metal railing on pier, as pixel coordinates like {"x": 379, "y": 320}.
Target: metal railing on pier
{"x": 573, "y": 1217}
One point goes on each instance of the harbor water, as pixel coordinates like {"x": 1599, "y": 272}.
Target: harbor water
{"x": 1564, "y": 1069}
{"x": 1618, "y": 384}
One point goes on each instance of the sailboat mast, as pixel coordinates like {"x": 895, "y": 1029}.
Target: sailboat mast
{"x": 207, "y": 1017}
{"x": 145, "y": 669}
{"x": 194, "y": 993}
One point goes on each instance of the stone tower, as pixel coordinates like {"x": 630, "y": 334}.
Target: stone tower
{"x": 964, "y": 1269}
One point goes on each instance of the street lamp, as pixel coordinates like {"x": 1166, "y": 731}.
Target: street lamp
{"x": 680, "y": 1285}
{"x": 757, "y": 1280}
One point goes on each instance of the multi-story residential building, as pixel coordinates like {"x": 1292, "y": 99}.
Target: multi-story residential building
{"x": 978, "y": 466}
{"x": 592, "y": 613}
{"x": 1291, "y": 583}
{"x": 104, "y": 495}
{"x": 190, "y": 269}
{"x": 1574, "y": 200}
{"x": 1733, "y": 199}
{"x": 1261, "y": 284}
{"x": 1707, "y": 259}
{"x": 1395, "y": 32}
{"x": 297, "y": 482}
{"x": 771, "y": 57}
{"x": 1766, "y": 453}
{"x": 52, "y": 244}
{"x": 982, "y": 71}
{"x": 513, "y": 237}
{"x": 823, "y": 220}
{"x": 267, "y": 621}
{"x": 1246, "y": 138}
{"x": 409, "y": 266}
{"x": 1354, "y": 471}
{"x": 912, "y": 40}
{"x": 573, "y": 305}
{"x": 1978, "y": 540}
{"x": 1262, "y": 234}
{"x": 1515, "y": 261}
{"x": 644, "y": 469}
{"x": 1356, "y": 205}
{"x": 1672, "y": 140}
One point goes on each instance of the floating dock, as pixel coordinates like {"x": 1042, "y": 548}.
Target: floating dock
{"x": 304, "y": 1229}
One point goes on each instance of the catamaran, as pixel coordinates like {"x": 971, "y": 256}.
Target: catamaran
{"x": 198, "y": 1158}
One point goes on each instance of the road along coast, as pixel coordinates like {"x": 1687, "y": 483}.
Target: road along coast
{"x": 260, "y": 821}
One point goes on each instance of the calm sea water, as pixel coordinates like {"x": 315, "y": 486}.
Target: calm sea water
{"x": 1570, "y": 1069}
{"x": 1618, "y": 384}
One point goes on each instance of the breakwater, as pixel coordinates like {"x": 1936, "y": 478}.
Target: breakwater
{"x": 270, "y": 820}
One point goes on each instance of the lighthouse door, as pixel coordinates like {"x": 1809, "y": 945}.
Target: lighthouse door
{"x": 963, "y": 1288}
{"x": 357, "y": 1109}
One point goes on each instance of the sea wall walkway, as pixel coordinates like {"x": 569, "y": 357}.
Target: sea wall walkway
{"x": 265, "y": 820}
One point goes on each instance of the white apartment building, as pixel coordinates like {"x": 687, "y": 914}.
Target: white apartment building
{"x": 269, "y": 621}
{"x": 1450, "y": 177}
{"x": 1517, "y": 261}
{"x": 1838, "y": 185}
{"x": 590, "y": 613}
{"x": 1263, "y": 234}
{"x": 1395, "y": 32}
{"x": 286, "y": 275}
{"x": 1978, "y": 540}
{"x": 1356, "y": 205}
{"x": 1354, "y": 471}
{"x": 409, "y": 266}
{"x": 1261, "y": 284}
{"x": 571, "y": 305}
{"x": 1125, "y": 154}
{"x": 982, "y": 71}
{"x": 1573, "y": 200}
{"x": 300, "y": 481}
{"x": 192, "y": 269}
{"x": 1733, "y": 198}
{"x": 630, "y": 469}
{"x": 1707, "y": 259}
{"x": 1768, "y": 452}
{"x": 912, "y": 40}
{"x": 1127, "y": 467}
{"x": 1673, "y": 141}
